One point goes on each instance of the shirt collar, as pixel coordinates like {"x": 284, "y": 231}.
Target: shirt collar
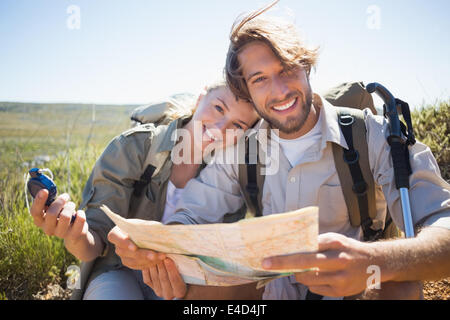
{"x": 167, "y": 131}
{"x": 330, "y": 124}
{"x": 331, "y": 131}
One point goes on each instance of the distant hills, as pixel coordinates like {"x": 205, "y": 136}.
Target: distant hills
{"x": 6, "y": 106}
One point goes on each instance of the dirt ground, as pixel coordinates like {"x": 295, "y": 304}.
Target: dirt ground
{"x": 437, "y": 290}
{"x": 433, "y": 290}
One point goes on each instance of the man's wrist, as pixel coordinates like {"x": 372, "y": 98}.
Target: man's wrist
{"x": 381, "y": 256}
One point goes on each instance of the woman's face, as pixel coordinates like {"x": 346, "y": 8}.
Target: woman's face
{"x": 219, "y": 115}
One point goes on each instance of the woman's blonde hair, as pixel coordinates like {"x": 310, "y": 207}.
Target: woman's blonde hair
{"x": 188, "y": 107}
{"x": 280, "y": 35}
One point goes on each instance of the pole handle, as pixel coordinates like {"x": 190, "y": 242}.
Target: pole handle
{"x": 390, "y": 107}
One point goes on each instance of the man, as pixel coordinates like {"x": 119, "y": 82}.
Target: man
{"x": 269, "y": 65}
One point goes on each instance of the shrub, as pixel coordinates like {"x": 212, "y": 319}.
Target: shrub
{"x": 432, "y": 126}
{"x": 30, "y": 260}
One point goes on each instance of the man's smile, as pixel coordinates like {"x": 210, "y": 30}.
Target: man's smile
{"x": 286, "y": 107}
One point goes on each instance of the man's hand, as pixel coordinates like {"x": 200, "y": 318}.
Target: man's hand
{"x": 55, "y": 220}
{"x": 130, "y": 254}
{"x": 341, "y": 262}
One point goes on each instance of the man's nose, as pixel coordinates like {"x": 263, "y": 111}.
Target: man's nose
{"x": 279, "y": 88}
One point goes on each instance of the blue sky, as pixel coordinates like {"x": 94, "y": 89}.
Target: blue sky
{"x": 138, "y": 51}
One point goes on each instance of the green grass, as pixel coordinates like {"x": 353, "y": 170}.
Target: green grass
{"x": 30, "y": 260}
{"x": 432, "y": 126}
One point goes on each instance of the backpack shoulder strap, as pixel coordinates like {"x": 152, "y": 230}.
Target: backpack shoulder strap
{"x": 153, "y": 162}
{"x": 250, "y": 178}
{"x": 352, "y": 166}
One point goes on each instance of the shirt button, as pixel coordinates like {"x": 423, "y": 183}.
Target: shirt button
{"x": 292, "y": 179}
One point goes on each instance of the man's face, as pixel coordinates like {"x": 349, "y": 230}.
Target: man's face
{"x": 282, "y": 97}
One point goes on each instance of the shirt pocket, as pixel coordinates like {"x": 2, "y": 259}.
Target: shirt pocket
{"x": 333, "y": 213}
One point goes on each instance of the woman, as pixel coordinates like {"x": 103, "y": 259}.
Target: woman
{"x": 136, "y": 177}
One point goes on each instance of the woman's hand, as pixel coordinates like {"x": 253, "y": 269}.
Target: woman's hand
{"x": 132, "y": 256}
{"x": 56, "y": 219}
{"x": 158, "y": 272}
{"x": 165, "y": 280}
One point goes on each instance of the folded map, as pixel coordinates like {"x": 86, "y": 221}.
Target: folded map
{"x": 227, "y": 254}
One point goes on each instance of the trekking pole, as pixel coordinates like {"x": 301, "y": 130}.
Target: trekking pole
{"x": 399, "y": 152}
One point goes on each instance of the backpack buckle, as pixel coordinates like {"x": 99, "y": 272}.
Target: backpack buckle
{"x": 346, "y": 119}
{"x": 368, "y": 233}
{"x": 351, "y": 156}
{"x": 360, "y": 188}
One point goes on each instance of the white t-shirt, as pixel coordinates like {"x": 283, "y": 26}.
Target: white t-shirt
{"x": 294, "y": 149}
{"x": 172, "y": 197}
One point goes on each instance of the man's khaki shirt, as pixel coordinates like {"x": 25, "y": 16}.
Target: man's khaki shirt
{"x": 314, "y": 182}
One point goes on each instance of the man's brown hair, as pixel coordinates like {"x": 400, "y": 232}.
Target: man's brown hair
{"x": 281, "y": 36}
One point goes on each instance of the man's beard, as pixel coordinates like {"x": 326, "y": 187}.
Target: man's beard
{"x": 292, "y": 123}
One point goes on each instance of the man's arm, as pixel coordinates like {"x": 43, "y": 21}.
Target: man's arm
{"x": 209, "y": 197}
{"x": 345, "y": 266}
{"x": 343, "y": 263}
{"x": 425, "y": 257}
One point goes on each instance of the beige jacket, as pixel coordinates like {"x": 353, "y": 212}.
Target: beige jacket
{"x": 112, "y": 183}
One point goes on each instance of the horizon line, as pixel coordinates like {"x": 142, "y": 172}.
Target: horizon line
{"x": 71, "y": 102}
